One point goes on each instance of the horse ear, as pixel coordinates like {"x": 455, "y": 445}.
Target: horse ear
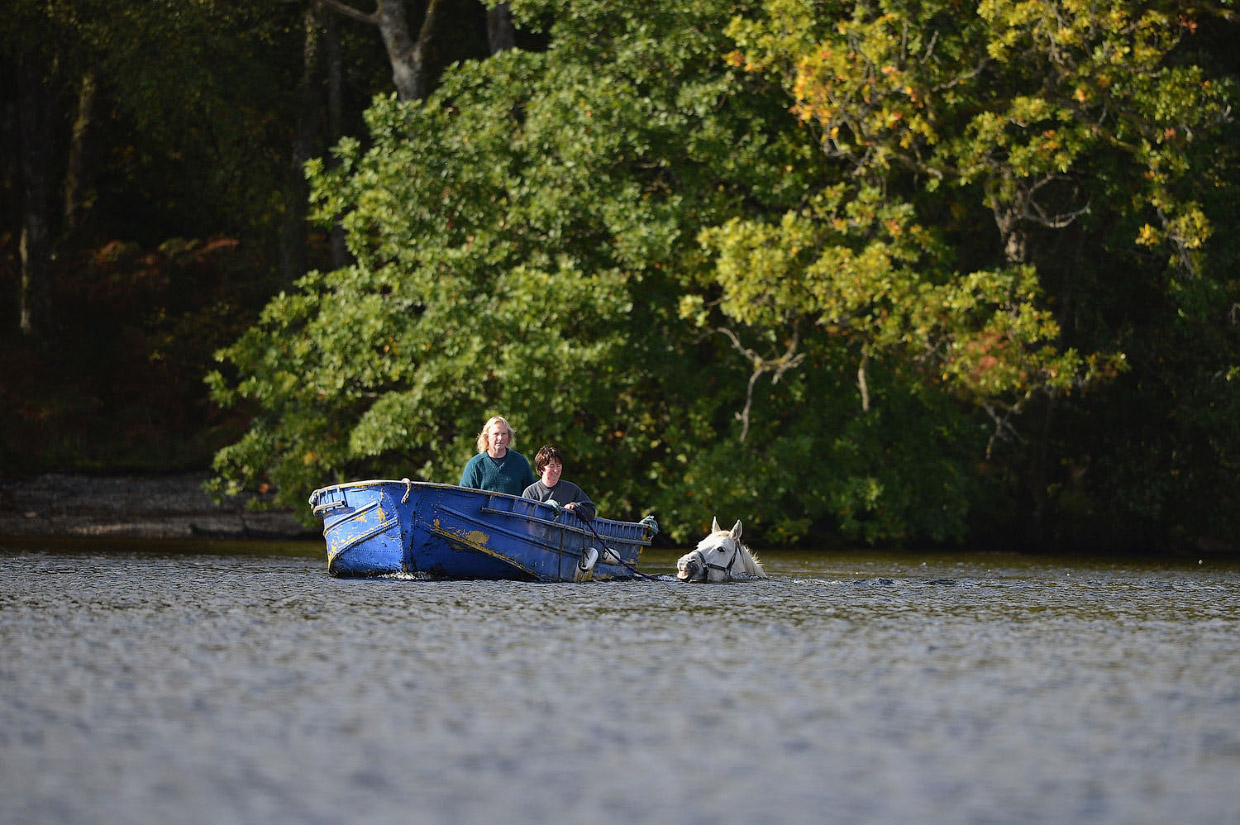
{"x": 736, "y": 530}
{"x": 714, "y": 525}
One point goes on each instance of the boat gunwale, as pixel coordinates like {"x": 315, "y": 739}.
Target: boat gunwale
{"x": 563, "y": 525}
{"x": 643, "y": 541}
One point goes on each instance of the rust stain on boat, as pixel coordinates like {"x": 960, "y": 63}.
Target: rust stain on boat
{"x": 474, "y": 538}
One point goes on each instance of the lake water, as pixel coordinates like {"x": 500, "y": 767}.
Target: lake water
{"x": 241, "y": 684}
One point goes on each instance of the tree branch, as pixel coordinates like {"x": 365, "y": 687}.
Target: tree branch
{"x": 779, "y": 366}
{"x": 348, "y": 11}
{"x": 863, "y": 384}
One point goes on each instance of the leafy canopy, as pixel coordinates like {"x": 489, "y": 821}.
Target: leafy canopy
{"x": 811, "y": 264}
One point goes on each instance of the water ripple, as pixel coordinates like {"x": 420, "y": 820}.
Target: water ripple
{"x": 237, "y": 688}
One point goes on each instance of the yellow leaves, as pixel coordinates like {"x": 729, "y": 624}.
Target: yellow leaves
{"x": 693, "y": 308}
{"x": 1026, "y": 109}
{"x": 1188, "y": 231}
{"x": 1191, "y": 229}
{"x": 1067, "y": 36}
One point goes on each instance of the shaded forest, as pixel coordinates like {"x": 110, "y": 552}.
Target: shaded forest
{"x": 154, "y": 199}
{"x": 900, "y": 273}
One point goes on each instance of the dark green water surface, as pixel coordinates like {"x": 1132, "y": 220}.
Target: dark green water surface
{"x": 230, "y": 683}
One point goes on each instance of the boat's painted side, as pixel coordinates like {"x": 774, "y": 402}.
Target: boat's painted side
{"x": 363, "y": 527}
{"x": 382, "y": 527}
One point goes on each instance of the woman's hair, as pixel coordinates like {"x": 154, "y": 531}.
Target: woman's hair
{"x": 545, "y": 456}
{"x": 484, "y": 442}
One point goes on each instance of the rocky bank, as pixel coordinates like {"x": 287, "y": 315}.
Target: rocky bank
{"x": 161, "y": 507}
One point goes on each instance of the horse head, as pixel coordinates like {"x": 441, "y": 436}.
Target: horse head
{"x": 719, "y": 557}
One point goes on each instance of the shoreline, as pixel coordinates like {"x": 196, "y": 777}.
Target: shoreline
{"x": 65, "y": 505}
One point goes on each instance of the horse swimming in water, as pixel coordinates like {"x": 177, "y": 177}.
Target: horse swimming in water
{"x": 719, "y": 557}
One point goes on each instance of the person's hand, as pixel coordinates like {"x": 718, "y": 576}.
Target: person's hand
{"x": 572, "y": 505}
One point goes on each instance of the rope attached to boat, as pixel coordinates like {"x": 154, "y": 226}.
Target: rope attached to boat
{"x": 619, "y": 560}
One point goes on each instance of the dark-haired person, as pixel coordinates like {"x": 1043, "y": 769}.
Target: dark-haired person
{"x": 549, "y": 464}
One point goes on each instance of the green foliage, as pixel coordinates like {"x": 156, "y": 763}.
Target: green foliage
{"x": 193, "y": 102}
{"x": 187, "y": 136}
{"x": 1044, "y": 115}
{"x": 519, "y": 240}
{"x": 866, "y": 269}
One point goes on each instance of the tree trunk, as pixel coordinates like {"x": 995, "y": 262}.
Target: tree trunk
{"x": 408, "y": 57}
{"x": 36, "y": 117}
{"x": 305, "y": 146}
{"x": 501, "y": 34}
{"x": 340, "y": 256}
{"x": 1036, "y": 475}
{"x": 1007, "y": 220}
{"x": 79, "y": 173}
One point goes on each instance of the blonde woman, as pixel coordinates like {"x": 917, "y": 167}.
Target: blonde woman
{"x": 497, "y": 467}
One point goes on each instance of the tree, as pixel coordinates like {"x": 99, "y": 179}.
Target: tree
{"x": 850, "y": 269}
{"x": 416, "y": 60}
{"x": 77, "y": 60}
{"x": 36, "y": 116}
{"x": 519, "y": 239}
{"x": 120, "y": 134}
{"x": 1071, "y": 125}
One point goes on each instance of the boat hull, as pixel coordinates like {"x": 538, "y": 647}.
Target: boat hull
{"x": 375, "y": 528}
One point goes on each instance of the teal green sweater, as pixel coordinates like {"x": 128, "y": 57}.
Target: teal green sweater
{"x": 510, "y": 474}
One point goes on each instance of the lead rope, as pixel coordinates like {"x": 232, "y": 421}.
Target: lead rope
{"x": 621, "y": 561}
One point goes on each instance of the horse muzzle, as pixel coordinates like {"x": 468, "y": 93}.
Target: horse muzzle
{"x": 691, "y": 568}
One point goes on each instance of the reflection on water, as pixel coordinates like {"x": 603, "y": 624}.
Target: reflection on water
{"x": 141, "y": 685}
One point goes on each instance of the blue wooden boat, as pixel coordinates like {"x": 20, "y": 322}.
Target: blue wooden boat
{"x": 376, "y": 528}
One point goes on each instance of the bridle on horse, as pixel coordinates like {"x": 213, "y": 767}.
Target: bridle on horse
{"x": 726, "y": 568}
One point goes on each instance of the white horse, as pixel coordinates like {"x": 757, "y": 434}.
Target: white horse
{"x": 719, "y": 557}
